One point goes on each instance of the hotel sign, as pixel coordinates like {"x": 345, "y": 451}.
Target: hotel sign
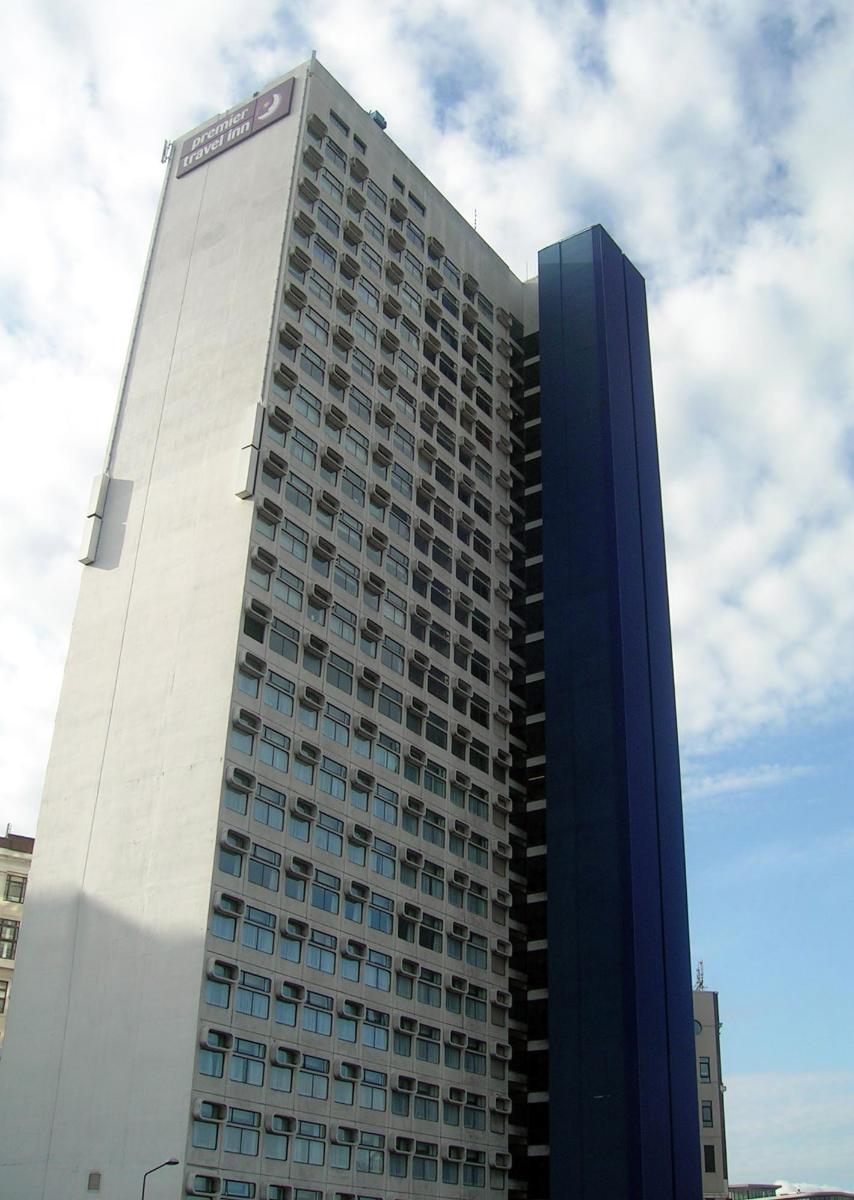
{"x": 236, "y": 126}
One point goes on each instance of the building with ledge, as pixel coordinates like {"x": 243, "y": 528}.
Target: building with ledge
{"x": 360, "y": 864}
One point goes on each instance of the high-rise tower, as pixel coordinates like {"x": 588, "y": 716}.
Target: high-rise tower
{"x": 359, "y": 868}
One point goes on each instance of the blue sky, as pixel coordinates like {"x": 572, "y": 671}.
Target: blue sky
{"x": 711, "y": 138}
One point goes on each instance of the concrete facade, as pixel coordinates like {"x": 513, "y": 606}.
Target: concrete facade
{"x": 283, "y": 863}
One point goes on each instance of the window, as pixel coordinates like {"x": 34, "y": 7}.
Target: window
{"x": 339, "y": 673}
{"x": 328, "y": 833}
{"x": 427, "y": 1044}
{"x": 374, "y": 228}
{"x": 289, "y": 589}
{"x": 390, "y": 702}
{"x": 368, "y": 294}
{"x": 353, "y": 485}
{"x": 397, "y": 564}
{"x": 279, "y": 693}
{"x": 298, "y": 492}
{"x": 394, "y": 608}
{"x": 336, "y": 724}
{"x": 377, "y": 196}
{"x": 363, "y": 365}
{"x": 269, "y": 806}
{"x": 384, "y": 804}
{"x": 274, "y": 748}
{"x": 313, "y": 1078}
{"x": 430, "y": 988}
{"x": 316, "y": 324}
{"x": 392, "y": 654}
{"x": 378, "y": 971}
{"x": 360, "y": 404}
{"x": 264, "y": 867}
{"x": 317, "y": 1014}
{"x": 223, "y": 925}
{"x": 9, "y": 938}
{"x": 315, "y": 366}
{"x": 240, "y": 1135}
{"x": 309, "y": 1144}
{"x": 211, "y": 1059}
{"x": 247, "y": 1062}
{"x": 252, "y": 997}
{"x": 259, "y": 930}
{"x": 370, "y": 1157}
{"x": 238, "y": 739}
{"x": 387, "y": 753}
{"x": 276, "y": 1145}
{"x": 346, "y": 575}
{"x": 15, "y": 889}
{"x": 476, "y": 951}
{"x": 281, "y": 1071}
{"x": 205, "y": 1185}
{"x": 475, "y": 1057}
{"x": 705, "y": 1069}
{"x": 383, "y": 857}
{"x": 4, "y": 995}
{"x": 325, "y": 891}
{"x": 408, "y": 367}
{"x": 708, "y": 1119}
{"x": 238, "y": 1189}
{"x": 371, "y": 259}
{"x": 398, "y": 520}
{"x": 401, "y": 480}
{"x": 349, "y": 531}
{"x": 319, "y": 286}
{"x": 332, "y": 778}
{"x": 206, "y": 1128}
{"x": 307, "y": 405}
{"x": 709, "y": 1159}
{"x": 380, "y": 913}
{"x": 410, "y": 297}
{"x": 284, "y": 639}
{"x": 425, "y": 1161}
{"x": 372, "y": 1090}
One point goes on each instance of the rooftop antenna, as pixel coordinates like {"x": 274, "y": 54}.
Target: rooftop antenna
{"x": 699, "y": 981}
{"x": 475, "y": 218}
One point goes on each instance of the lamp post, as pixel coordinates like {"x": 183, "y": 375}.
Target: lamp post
{"x": 170, "y": 1162}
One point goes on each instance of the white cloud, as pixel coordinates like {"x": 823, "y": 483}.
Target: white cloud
{"x": 791, "y": 1125}
{"x": 714, "y": 159}
{"x": 704, "y": 791}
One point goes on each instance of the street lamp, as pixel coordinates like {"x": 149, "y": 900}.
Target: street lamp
{"x": 170, "y": 1162}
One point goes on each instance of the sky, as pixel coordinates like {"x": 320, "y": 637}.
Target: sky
{"x": 712, "y": 139}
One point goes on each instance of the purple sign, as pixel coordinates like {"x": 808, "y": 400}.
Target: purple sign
{"x": 236, "y": 126}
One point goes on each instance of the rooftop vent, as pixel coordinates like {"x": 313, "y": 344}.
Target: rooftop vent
{"x": 379, "y": 118}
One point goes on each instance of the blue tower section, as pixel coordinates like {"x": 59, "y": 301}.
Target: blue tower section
{"x": 622, "y": 1091}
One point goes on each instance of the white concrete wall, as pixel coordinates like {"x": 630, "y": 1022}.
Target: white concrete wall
{"x": 120, "y": 885}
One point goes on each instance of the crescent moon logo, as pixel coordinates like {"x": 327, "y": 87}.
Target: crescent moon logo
{"x": 272, "y": 106}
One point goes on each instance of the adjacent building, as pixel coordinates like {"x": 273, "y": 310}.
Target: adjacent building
{"x": 360, "y": 864}
{"x": 710, "y": 1095}
{"x": 16, "y": 855}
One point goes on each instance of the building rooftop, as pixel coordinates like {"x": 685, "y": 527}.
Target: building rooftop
{"x": 17, "y": 841}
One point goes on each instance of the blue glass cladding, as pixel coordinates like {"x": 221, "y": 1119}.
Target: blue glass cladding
{"x": 623, "y": 1105}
